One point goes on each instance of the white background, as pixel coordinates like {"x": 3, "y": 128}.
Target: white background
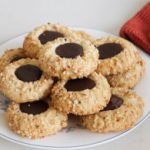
{"x": 19, "y": 16}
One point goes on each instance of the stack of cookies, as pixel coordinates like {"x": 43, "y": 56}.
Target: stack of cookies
{"x": 60, "y": 71}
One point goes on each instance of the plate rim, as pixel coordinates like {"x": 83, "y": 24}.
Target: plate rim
{"x": 79, "y": 146}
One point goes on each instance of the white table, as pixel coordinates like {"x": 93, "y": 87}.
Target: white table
{"x": 20, "y": 16}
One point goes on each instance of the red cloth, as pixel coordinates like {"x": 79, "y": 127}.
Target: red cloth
{"x": 137, "y": 29}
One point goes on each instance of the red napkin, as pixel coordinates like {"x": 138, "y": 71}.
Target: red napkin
{"x": 137, "y": 29}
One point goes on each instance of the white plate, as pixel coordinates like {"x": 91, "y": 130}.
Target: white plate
{"x": 73, "y": 137}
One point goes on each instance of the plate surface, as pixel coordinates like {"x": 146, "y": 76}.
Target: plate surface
{"x": 73, "y": 137}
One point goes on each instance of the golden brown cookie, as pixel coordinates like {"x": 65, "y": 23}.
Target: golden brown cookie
{"x": 68, "y": 58}
{"x": 35, "y": 119}
{"x": 81, "y": 96}
{"x": 129, "y": 78}
{"x": 121, "y": 113}
{"x": 10, "y": 56}
{"x": 115, "y": 55}
{"x": 44, "y": 34}
{"x": 24, "y": 81}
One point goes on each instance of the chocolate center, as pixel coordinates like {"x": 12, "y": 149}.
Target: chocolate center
{"x": 69, "y": 50}
{"x": 109, "y": 50}
{"x": 55, "y": 79}
{"x": 114, "y": 103}
{"x": 28, "y": 73}
{"x": 34, "y": 108}
{"x": 79, "y": 84}
{"x": 17, "y": 58}
{"x": 49, "y": 36}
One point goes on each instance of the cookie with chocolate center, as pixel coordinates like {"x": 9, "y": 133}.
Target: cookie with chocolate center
{"x": 69, "y": 58}
{"x": 81, "y": 96}
{"x": 121, "y": 113}
{"x": 44, "y": 34}
{"x": 24, "y": 81}
{"x": 36, "y": 119}
{"x": 116, "y": 55}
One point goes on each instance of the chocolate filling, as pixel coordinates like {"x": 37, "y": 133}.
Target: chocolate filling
{"x": 49, "y": 36}
{"x": 28, "y": 73}
{"x": 69, "y": 50}
{"x": 109, "y": 50}
{"x": 34, "y": 108}
{"x": 55, "y": 79}
{"x": 79, "y": 84}
{"x": 114, "y": 103}
{"x": 17, "y": 58}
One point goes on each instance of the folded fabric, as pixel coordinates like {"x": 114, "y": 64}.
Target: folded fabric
{"x": 137, "y": 29}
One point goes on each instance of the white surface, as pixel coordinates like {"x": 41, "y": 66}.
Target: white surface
{"x": 20, "y": 16}
{"x": 84, "y": 138}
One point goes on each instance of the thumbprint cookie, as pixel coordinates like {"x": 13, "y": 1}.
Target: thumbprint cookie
{"x": 69, "y": 58}
{"x": 81, "y": 96}
{"x": 35, "y": 119}
{"x": 24, "y": 81}
{"x": 115, "y": 55}
{"x": 121, "y": 113}
{"x": 44, "y": 34}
